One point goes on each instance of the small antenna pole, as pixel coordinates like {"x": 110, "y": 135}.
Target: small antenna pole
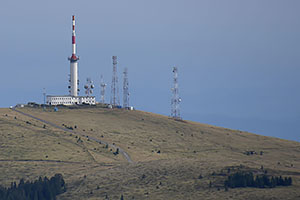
{"x": 44, "y": 94}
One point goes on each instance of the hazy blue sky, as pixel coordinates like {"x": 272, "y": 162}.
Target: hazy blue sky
{"x": 238, "y": 60}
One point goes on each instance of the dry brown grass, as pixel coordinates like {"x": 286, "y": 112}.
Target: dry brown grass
{"x": 187, "y": 149}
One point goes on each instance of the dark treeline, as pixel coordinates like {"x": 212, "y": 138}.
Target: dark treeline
{"x": 42, "y": 189}
{"x": 246, "y": 179}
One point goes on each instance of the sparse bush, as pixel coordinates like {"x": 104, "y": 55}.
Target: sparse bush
{"x": 79, "y": 140}
{"x": 117, "y": 152}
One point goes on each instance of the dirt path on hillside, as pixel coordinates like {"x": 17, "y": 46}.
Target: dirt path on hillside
{"x": 121, "y": 151}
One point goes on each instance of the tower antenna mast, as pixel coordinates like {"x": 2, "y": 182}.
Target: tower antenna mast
{"x": 175, "y": 110}
{"x": 114, "y": 98}
{"x": 102, "y": 92}
{"x": 125, "y": 89}
{"x": 73, "y": 64}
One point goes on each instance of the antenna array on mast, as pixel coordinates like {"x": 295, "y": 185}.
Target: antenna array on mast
{"x": 89, "y": 87}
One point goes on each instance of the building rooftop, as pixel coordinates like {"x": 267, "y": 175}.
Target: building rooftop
{"x": 68, "y": 96}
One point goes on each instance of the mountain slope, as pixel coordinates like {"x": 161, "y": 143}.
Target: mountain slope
{"x": 169, "y": 155}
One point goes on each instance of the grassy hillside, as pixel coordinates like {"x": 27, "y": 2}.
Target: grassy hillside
{"x": 172, "y": 159}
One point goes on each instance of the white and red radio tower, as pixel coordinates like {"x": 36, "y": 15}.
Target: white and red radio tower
{"x": 74, "y": 82}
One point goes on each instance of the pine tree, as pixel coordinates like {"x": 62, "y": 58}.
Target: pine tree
{"x": 289, "y": 181}
{"x": 273, "y": 182}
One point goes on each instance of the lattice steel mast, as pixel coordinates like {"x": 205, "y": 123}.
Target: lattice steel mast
{"x": 175, "y": 110}
{"x": 102, "y": 92}
{"x": 125, "y": 89}
{"x": 114, "y": 96}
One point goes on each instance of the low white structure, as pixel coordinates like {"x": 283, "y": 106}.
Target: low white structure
{"x": 70, "y": 100}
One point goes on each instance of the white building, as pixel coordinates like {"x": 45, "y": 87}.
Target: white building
{"x": 70, "y": 100}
